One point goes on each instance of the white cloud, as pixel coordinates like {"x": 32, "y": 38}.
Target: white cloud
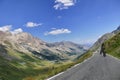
{"x": 16, "y": 31}
{"x": 6, "y": 28}
{"x": 64, "y": 4}
{"x": 32, "y": 24}
{"x": 58, "y": 31}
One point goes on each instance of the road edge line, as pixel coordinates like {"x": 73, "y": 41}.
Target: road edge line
{"x": 113, "y": 57}
{"x": 71, "y": 67}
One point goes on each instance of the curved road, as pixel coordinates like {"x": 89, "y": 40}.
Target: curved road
{"x": 96, "y": 68}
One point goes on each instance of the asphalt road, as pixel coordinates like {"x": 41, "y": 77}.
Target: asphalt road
{"x": 96, "y": 68}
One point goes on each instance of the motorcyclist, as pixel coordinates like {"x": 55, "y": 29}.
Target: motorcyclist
{"x": 102, "y": 51}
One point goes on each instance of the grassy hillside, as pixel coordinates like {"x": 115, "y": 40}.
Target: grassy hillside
{"x": 112, "y": 46}
{"x": 22, "y": 66}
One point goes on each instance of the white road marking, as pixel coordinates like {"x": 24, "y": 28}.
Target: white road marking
{"x": 71, "y": 67}
{"x": 114, "y": 57}
{"x": 55, "y": 76}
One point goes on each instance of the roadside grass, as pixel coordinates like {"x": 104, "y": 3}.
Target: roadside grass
{"x": 85, "y": 56}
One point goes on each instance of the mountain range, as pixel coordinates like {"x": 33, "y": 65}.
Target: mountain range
{"x": 26, "y": 43}
{"x": 25, "y": 57}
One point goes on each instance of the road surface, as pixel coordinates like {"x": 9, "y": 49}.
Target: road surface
{"x": 96, "y": 68}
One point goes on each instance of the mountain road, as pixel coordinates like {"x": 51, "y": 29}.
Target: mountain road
{"x": 95, "y": 68}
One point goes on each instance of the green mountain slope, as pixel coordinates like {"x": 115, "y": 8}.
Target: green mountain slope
{"x": 16, "y": 65}
{"x": 103, "y": 38}
{"x": 112, "y": 46}
{"x": 24, "y": 57}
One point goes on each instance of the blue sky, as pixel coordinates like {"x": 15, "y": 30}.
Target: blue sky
{"x": 80, "y": 21}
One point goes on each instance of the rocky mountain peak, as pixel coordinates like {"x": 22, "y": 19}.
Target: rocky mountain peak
{"x": 117, "y": 30}
{"x": 26, "y": 43}
{"x": 118, "y": 27}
